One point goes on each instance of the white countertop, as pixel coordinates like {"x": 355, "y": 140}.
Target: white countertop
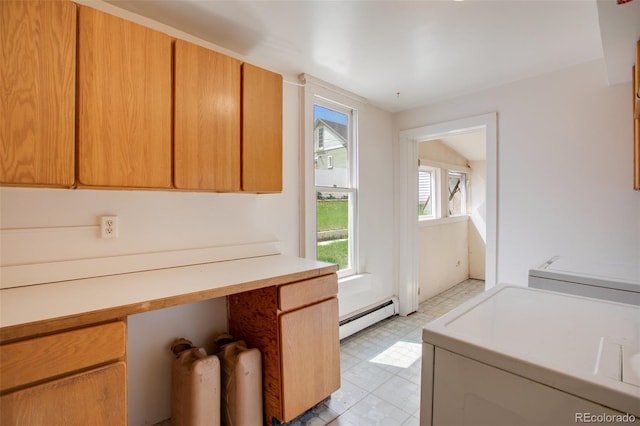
{"x": 130, "y": 293}
{"x": 568, "y": 342}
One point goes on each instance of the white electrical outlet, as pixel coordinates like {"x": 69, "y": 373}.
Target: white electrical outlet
{"x": 109, "y": 226}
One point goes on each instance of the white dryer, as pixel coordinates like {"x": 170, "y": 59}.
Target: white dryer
{"x": 619, "y": 282}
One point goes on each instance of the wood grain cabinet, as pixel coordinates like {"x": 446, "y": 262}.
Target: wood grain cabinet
{"x": 124, "y": 103}
{"x": 295, "y": 326}
{"x": 261, "y": 130}
{"x": 207, "y": 119}
{"x": 37, "y": 103}
{"x": 75, "y": 377}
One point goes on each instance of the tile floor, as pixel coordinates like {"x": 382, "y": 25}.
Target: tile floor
{"x": 381, "y": 368}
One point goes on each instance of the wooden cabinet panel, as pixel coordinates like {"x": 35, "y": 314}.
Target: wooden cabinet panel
{"x": 261, "y": 130}
{"x": 97, "y": 397}
{"x": 124, "y": 103}
{"x": 45, "y": 357}
{"x": 310, "y": 350}
{"x": 296, "y": 295}
{"x": 253, "y": 317}
{"x": 37, "y": 103}
{"x": 207, "y": 119}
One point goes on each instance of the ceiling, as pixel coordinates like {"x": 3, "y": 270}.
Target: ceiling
{"x": 396, "y": 54}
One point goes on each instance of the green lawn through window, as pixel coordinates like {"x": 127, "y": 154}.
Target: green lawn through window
{"x": 333, "y": 215}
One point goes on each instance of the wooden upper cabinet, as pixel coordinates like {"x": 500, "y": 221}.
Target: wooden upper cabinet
{"x": 124, "y": 103}
{"x": 261, "y": 130}
{"x": 207, "y": 119}
{"x": 37, "y": 102}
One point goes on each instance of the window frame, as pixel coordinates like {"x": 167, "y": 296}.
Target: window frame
{"x": 318, "y": 93}
{"x": 441, "y": 206}
{"x": 435, "y": 193}
{"x": 464, "y": 203}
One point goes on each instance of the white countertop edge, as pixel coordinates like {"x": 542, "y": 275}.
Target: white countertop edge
{"x": 23, "y": 305}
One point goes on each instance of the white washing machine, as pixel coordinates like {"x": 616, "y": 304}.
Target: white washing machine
{"x": 521, "y": 356}
{"x": 619, "y": 282}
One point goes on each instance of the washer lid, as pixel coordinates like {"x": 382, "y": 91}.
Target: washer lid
{"x": 569, "y": 342}
{"x": 617, "y": 275}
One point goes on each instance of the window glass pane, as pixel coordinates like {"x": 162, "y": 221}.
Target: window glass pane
{"x": 457, "y": 193}
{"x": 331, "y": 147}
{"x": 333, "y": 228}
{"x": 425, "y": 194}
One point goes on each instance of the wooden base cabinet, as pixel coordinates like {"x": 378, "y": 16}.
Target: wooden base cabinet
{"x": 75, "y": 377}
{"x": 96, "y": 397}
{"x": 295, "y": 326}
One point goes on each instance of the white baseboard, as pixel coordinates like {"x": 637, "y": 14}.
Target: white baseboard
{"x": 368, "y": 316}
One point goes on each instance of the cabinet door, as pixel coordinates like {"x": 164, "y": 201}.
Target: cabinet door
{"x": 207, "y": 119}
{"x": 261, "y": 130}
{"x": 124, "y": 103}
{"x": 310, "y": 351}
{"x": 97, "y": 397}
{"x": 37, "y": 104}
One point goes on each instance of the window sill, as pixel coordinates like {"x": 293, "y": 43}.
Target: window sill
{"x": 424, "y": 223}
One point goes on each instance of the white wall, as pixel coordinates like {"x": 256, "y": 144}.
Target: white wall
{"x": 477, "y": 222}
{"x": 564, "y": 166}
{"x": 444, "y": 257}
{"x": 375, "y": 211}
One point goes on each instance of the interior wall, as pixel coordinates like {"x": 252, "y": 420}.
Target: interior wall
{"x": 444, "y": 257}
{"x": 435, "y": 150}
{"x": 477, "y": 223}
{"x": 375, "y": 214}
{"x": 564, "y": 166}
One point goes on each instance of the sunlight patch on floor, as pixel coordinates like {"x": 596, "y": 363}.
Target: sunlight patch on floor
{"x": 400, "y": 354}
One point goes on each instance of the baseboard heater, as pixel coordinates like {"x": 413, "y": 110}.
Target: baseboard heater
{"x": 368, "y": 317}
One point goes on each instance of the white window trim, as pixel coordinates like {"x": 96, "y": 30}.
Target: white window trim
{"x": 435, "y": 193}
{"x": 319, "y": 92}
{"x": 441, "y": 206}
{"x": 425, "y": 223}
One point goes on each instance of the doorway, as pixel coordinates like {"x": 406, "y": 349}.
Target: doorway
{"x": 407, "y": 190}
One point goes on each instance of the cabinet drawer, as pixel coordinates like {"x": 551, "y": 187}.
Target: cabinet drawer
{"x": 45, "y": 357}
{"x": 97, "y": 397}
{"x": 304, "y": 293}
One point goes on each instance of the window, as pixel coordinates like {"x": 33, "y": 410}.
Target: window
{"x": 334, "y": 184}
{"x": 440, "y": 200}
{"x": 426, "y": 191}
{"x": 457, "y": 193}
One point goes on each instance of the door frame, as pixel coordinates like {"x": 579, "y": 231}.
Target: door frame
{"x": 407, "y": 188}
